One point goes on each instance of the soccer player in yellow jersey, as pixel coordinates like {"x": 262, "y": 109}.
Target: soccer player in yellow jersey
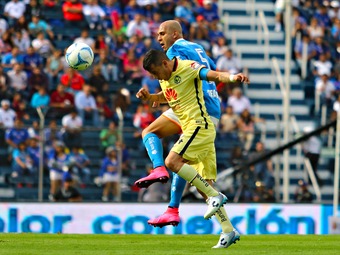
{"x": 182, "y": 90}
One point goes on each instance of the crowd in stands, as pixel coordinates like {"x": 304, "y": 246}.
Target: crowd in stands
{"x": 33, "y": 73}
{"x": 315, "y": 28}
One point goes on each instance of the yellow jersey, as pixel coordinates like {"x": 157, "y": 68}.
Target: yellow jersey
{"x": 184, "y": 94}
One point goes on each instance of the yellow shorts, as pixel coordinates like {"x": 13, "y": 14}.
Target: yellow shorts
{"x": 196, "y": 145}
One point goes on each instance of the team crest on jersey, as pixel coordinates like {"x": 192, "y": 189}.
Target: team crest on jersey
{"x": 195, "y": 65}
{"x": 177, "y": 79}
{"x": 170, "y": 94}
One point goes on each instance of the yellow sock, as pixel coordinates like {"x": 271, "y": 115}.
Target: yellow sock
{"x": 222, "y": 218}
{"x": 189, "y": 174}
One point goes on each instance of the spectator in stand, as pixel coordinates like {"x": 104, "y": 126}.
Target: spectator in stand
{"x": 111, "y": 9}
{"x": 312, "y": 149}
{"x": 79, "y": 166}
{"x": 109, "y": 136}
{"x": 42, "y": 45}
{"x": 199, "y": 32}
{"x": 7, "y": 115}
{"x": 16, "y": 135}
{"x": 72, "y": 80}
{"x": 314, "y": 29}
{"x": 104, "y": 110}
{"x": 326, "y": 89}
{"x": 100, "y": 45}
{"x": 98, "y": 82}
{"x": 151, "y": 84}
{"x": 54, "y": 68}
{"x": 167, "y": 9}
{"x": 73, "y": 13}
{"x": 109, "y": 66}
{"x": 184, "y": 13}
{"x": 4, "y": 84}
{"x": 37, "y": 79}
{"x": 138, "y": 26}
{"x": 246, "y": 127}
{"x": 19, "y": 106}
{"x": 38, "y": 25}
{"x": 209, "y": 11}
{"x": 238, "y": 101}
{"x": 122, "y": 100}
{"x": 154, "y": 24}
{"x": 61, "y": 103}
{"x": 130, "y": 10}
{"x": 94, "y": 14}
{"x": 22, "y": 25}
{"x": 321, "y": 48}
{"x": 218, "y": 48}
{"x": 86, "y": 106}
{"x": 23, "y": 43}
{"x": 52, "y": 134}
{"x": 12, "y": 58}
{"x": 33, "y": 150}
{"x": 72, "y": 128}
{"x": 228, "y": 123}
{"x": 109, "y": 174}
{"x": 334, "y": 10}
{"x": 322, "y": 17}
{"x": 149, "y": 8}
{"x": 263, "y": 171}
{"x": 302, "y": 193}
{"x": 311, "y": 52}
{"x": 31, "y": 60}
{"x": 132, "y": 68}
{"x": 6, "y": 42}
{"x": 18, "y": 80}
{"x": 40, "y": 98}
{"x": 33, "y": 8}
{"x": 215, "y": 32}
{"x": 142, "y": 118}
{"x": 322, "y": 66}
{"x": 67, "y": 192}
{"x": 13, "y": 10}
{"x": 3, "y": 26}
{"x": 22, "y": 164}
{"x": 58, "y": 163}
{"x": 34, "y": 130}
{"x": 335, "y": 31}
{"x": 85, "y": 38}
{"x": 229, "y": 63}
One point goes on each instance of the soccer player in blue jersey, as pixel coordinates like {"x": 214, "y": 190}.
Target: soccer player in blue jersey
{"x": 171, "y": 39}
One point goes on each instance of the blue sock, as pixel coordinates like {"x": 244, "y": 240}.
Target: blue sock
{"x": 177, "y": 188}
{"x": 154, "y": 148}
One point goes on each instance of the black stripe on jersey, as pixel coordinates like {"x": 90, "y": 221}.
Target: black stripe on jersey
{"x": 175, "y": 64}
{"x": 189, "y": 142}
{"x": 199, "y": 103}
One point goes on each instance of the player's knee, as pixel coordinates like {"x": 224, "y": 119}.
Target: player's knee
{"x": 171, "y": 164}
{"x": 145, "y": 132}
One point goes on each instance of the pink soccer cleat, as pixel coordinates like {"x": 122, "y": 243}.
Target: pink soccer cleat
{"x": 170, "y": 217}
{"x": 159, "y": 174}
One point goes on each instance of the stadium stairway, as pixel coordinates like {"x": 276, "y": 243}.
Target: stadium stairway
{"x": 242, "y": 32}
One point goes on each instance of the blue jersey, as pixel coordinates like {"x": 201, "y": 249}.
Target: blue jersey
{"x": 186, "y": 50}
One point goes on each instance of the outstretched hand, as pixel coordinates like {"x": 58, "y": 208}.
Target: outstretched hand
{"x": 143, "y": 94}
{"x": 241, "y": 77}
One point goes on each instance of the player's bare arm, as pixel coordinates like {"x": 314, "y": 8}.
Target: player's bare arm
{"x": 226, "y": 77}
{"x": 144, "y": 94}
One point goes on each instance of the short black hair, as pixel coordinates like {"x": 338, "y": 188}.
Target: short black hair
{"x": 153, "y": 57}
